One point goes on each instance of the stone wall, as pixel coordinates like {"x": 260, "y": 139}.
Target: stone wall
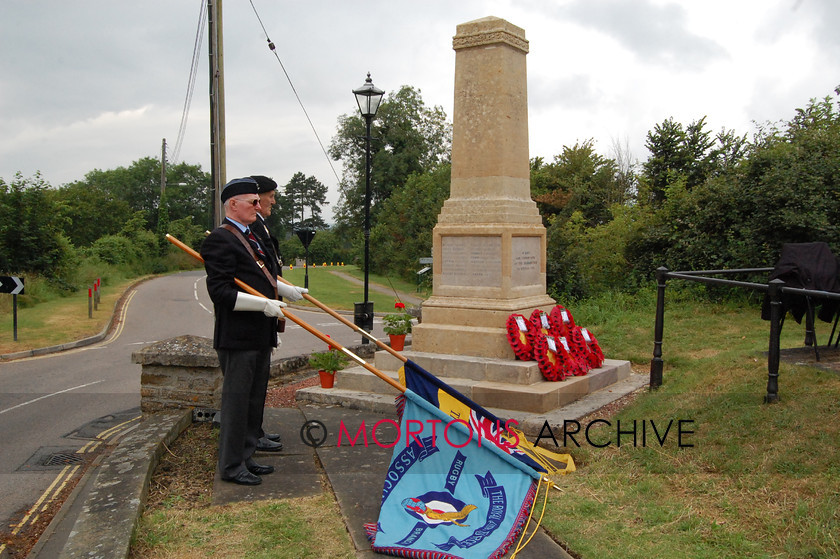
{"x": 180, "y": 372}
{"x": 183, "y": 372}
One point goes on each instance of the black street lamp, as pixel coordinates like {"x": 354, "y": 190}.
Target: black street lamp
{"x": 305, "y": 234}
{"x": 368, "y": 97}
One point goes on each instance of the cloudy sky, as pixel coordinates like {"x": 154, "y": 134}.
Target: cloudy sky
{"x": 97, "y": 84}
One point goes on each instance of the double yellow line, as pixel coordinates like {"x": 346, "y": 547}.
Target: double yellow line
{"x": 67, "y": 474}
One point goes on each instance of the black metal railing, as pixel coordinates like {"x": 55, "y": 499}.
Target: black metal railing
{"x": 774, "y": 289}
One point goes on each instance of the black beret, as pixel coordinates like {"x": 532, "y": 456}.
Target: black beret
{"x": 245, "y": 185}
{"x": 264, "y": 184}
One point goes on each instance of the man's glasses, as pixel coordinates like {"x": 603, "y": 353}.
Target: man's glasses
{"x": 255, "y": 202}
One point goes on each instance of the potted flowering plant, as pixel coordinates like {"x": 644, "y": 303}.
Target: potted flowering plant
{"x": 397, "y": 325}
{"x": 327, "y": 363}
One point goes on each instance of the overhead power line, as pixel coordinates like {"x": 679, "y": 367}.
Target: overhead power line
{"x": 289, "y": 79}
{"x": 199, "y": 35}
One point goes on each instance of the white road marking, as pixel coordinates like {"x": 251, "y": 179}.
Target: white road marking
{"x": 50, "y": 395}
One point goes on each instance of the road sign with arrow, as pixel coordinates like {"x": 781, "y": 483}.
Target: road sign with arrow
{"x": 11, "y": 284}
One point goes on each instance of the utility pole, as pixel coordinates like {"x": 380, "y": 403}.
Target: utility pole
{"x": 163, "y": 168}
{"x": 217, "y": 107}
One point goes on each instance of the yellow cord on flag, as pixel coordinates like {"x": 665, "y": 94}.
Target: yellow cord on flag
{"x": 544, "y": 457}
{"x": 544, "y": 481}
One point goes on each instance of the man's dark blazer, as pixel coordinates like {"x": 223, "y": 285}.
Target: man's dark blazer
{"x": 268, "y": 240}
{"x": 226, "y": 258}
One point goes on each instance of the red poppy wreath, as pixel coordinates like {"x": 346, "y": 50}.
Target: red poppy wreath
{"x": 548, "y": 360}
{"x": 596, "y": 355}
{"x": 542, "y": 324}
{"x": 579, "y": 350}
{"x": 562, "y": 320}
{"x": 520, "y": 337}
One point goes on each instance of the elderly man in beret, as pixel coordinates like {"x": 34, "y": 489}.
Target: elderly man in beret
{"x": 266, "y": 189}
{"x": 245, "y": 327}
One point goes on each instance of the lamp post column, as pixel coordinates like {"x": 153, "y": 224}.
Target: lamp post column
{"x": 368, "y": 97}
{"x": 368, "y": 118}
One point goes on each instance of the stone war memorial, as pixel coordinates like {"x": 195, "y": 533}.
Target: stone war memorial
{"x": 489, "y": 250}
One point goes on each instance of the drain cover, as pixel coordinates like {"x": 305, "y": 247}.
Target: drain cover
{"x": 63, "y": 459}
{"x": 49, "y": 458}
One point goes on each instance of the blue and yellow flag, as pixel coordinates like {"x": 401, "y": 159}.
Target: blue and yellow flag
{"x": 487, "y": 427}
{"x": 458, "y": 485}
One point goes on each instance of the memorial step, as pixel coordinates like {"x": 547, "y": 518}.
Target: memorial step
{"x": 483, "y": 380}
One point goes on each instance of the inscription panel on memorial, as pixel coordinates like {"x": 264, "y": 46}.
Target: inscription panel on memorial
{"x": 526, "y": 267}
{"x": 471, "y": 261}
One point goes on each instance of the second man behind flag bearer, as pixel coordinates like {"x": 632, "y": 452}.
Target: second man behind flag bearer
{"x": 267, "y": 189}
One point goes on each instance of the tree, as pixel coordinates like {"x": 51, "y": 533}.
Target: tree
{"x": 163, "y": 225}
{"x": 31, "y": 238}
{"x": 783, "y": 190}
{"x": 689, "y": 153}
{"x": 137, "y": 185}
{"x": 188, "y": 190}
{"x": 404, "y": 232}
{"x": 408, "y": 138}
{"x": 578, "y": 180}
{"x": 626, "y": 179}
{"x": 87, "y": 212}
{"x": 189, "y": 193}
{"x": 304, "y": 193}
{"x": 791, "y": 178}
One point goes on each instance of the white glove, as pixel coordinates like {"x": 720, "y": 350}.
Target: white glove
{"x": 269, "y": 307}
{"x": 291, "y": 292}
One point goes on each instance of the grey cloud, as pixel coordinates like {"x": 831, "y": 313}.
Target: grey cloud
{"x": 820, "y": 18}
{"x": 570, "y": 92}
{"x": 653, "y": 33}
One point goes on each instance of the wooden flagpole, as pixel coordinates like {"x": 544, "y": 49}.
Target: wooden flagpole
{"x": 300, "y": 322}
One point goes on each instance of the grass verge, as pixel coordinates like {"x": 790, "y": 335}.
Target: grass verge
{"x": 180, "y": 521}
{"x": 751, "y": 480}
{"x": 59, "y": 321}
{"x": 338, "y": 293}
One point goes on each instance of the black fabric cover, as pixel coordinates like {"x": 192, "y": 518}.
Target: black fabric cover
{"x": 806, "y": 266}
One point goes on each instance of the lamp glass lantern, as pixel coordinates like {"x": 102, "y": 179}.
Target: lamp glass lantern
{"x": 368, "y": 96}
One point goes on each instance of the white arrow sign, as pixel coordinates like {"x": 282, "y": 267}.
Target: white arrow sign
{"x": 11, "y": 284}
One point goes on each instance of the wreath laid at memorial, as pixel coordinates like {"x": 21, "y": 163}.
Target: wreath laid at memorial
{"x": 562, "y": 320}
{"x": 553, "y": 358}
{"x": 520, "y": 337}
{"x": 559, "y": 346}
{"x": 596, "y": 355}
{"x": 542, "y": 323}
{"x": 578, "y": 350}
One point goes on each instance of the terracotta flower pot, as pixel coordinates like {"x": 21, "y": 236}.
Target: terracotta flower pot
{"x": 327, "y": 379}
{"x": 397, "y": 341}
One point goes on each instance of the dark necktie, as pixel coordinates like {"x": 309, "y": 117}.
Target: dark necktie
{"x": 253, "y": 240}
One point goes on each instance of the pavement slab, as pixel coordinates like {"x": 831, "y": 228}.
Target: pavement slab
{"x": 296, "y": 474}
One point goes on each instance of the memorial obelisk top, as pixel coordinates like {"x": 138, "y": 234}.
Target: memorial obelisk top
{"x": 489, "y": 244}
{"x": 490, "y": 156}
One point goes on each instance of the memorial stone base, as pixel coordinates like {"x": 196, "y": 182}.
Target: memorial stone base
{"x": 511, "y": 389}
{"x": 483, "y": 274}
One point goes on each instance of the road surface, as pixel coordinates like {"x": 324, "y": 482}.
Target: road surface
{"x": 59, "y": 410}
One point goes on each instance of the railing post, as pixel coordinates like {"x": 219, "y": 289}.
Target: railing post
{"x": 656, "y": 363}
{"x": 775, "y": 293}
